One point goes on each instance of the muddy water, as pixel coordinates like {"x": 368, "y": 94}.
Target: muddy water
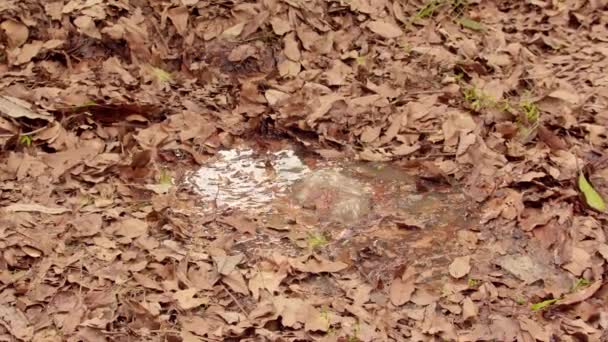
{"x": 368, "y": 214}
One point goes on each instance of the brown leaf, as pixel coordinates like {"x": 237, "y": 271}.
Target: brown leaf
{"x": 265, "y": 280}
{"x": 130, "y": 228}
{"x": 280, "y": 26}
{"x": 581, "y": 295}
{"x": 469, "y": 309}
{"x": 240, "y": 223}
{"x": 226, "y": 264}
{"x": 384, "y": 29}
{"x": 26, "y": 52}
{"x": 568, "y": 95}
{"x": 87, "y": 225}
{"x": 535, "y": 329}
{"x": 87, "y": 26}
{"x": 370, "y": 133}
{"x": 16, "y": 33}
{"x": 242, "y": 52}
{"x": 179, "y": 18}
{"x": 317, "y": 265}
{"x": 551, "y": 139}
{"x": 22, "y": 207}
{"x": 17, "y": 108}
{"x": 16, "y": 322}
{"x": 460, "y": 267}
{"x": 236, "y": 282}
{"x": 401, "y": 291}
{"x": 291, "y": 49}
{"x": 186, "y": 299}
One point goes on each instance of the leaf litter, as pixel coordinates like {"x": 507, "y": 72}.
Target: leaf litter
{"x": 108, "y": 108}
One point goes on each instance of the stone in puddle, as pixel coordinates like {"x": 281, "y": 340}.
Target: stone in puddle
{"x": 335, "y": 196}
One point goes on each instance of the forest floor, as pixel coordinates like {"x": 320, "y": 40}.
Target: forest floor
{"x": 492, "y": 115}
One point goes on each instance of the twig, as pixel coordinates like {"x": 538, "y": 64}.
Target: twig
{"x": 236, "y": 301}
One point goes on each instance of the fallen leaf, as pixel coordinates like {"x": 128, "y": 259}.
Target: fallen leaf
{"x": 240, "y": 223}
{"x": 179, "y": 17}
{"x": 384, "y": 29}
{"x": 21, "y": 207}
{"x": 16, "y": 33}
{"x": 460, "y": 267}
{"x": 130, "y": 228}
{"x": 87, "y": 26}
{"x": 317, "y": 265}
{"x": 291, "y": 49}
{"x": 226, "y": 264}
{"x": 87, "y": 225}
{"x": 401, "y": 291}
{"x": 469, "y": 309}
{"x": 543, "y": 305}
{"x": 592, "y": 197}
{"x": 16, "y": 108}
{"x": 471, "y": 24}
{"x": 186, "y": 299}
{"x": 267, "y": 280}
{"x": 581, "y": 295}
{"x": 370, "y": 133}
{"x": 16, "y": 322}
{"x": 280, "y": 26}
{"x": 27, "y": 52}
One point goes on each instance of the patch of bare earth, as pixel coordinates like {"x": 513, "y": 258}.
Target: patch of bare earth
{"x": 106, "y": 106}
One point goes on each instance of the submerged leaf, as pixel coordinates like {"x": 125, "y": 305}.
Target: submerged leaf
{"x": 592, "y": 197}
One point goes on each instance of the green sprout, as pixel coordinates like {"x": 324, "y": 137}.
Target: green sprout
{"x": 316, "y": 240}
{"x": 477, "y": 99}
{"x": 580, "y": 283}
{"x": 25, "y": 140}
{"x": 356, "y": 331}
{"x": 165, "y": 178}
{"x": 473, "y": 282}
{"x": 531, "y": 112}
{"x": 161, "y": 75}
{"x": 543, "y": 305}
{"x": 520, "y": 301}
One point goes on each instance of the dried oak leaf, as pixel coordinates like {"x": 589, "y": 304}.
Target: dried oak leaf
{"x": 186, "y": 299}
{"x": 317, "y": 265}
{"x": 16, "y": 33}
{"x": 402, "y": 288}
{"x": 16, "y": 322}
{"x": 38, "y": 208}
{"x": 581, "y": 295}
{"x": 130, "y": 228}
{"x": 384, "y": 29}
{"x": 268, "y": 280}
{"x": 460, "y": 267}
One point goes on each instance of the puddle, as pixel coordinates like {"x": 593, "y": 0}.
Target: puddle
{"x": 245, "y": 180}
{"x": 369, "y": 214}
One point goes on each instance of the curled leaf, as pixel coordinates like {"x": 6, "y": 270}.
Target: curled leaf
{"x": 592, "y": 197}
